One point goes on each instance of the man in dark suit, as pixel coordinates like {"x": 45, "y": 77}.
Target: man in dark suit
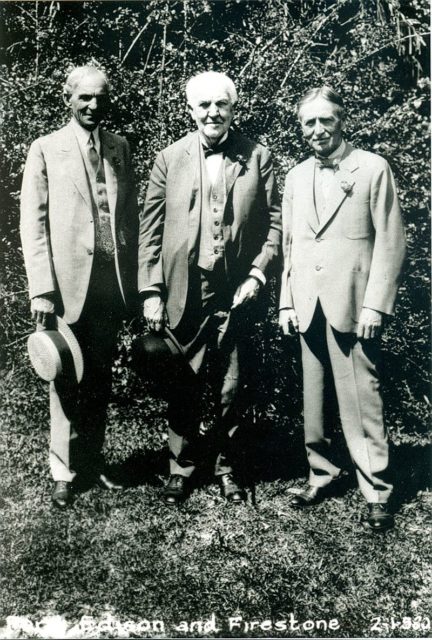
{"x": 79, "y": 223}
{"x": 209, "y": 231}
{"x": 344, "y": 248}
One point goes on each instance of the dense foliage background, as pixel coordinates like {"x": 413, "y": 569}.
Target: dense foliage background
{"x": 124, "y": 553}
{"x": 373, "y": 51}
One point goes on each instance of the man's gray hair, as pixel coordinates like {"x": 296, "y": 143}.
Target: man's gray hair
{"x": 325, "y": 92}
{"x": 210, "y": 78}
{"x": 78, "y": 73}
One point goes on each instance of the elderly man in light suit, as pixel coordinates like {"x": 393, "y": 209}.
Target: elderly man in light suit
{"x": 79, "y": 223}
{"x": 209, "y": 232}
{"x": 344, "y": 249}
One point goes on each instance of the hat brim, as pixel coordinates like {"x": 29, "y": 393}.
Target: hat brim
{"x": 74, "y": 347}
{"x": 56, "y": 352}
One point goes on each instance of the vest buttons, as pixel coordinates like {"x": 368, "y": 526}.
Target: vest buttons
{"x": 318, "y": 267}
{"x": 216, "y": 251}
{"x": 90, "y": 252}
{"x": 217, "y": 223}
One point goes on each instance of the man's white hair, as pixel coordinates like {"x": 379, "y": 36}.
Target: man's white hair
{"x": 209, "y": 79}
{"x": 78, "y": 73}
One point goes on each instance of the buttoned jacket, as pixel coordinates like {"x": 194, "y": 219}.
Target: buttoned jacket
{"x": 58, "y": 223}
{"x": 170, "y": 222}
{"x": 352, "y": 256}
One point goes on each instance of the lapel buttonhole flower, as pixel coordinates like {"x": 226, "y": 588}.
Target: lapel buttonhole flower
{"x": 241, "y": 159}
{"x": 346, "y": 186}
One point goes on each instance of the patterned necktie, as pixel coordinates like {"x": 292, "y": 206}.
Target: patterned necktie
{"x": 327, "y": 163}
{"x": 92, "y": 153}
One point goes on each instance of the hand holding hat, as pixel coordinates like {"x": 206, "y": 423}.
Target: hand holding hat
{"x": 42, "y": 307}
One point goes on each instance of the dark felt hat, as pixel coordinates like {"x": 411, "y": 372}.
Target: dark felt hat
{"x": 160, "y": 359}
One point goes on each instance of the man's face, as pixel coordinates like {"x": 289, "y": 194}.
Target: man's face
{"x": 322, "y": 125}
{"x": 89, "y": 101}
{"x": 212, "y": 110}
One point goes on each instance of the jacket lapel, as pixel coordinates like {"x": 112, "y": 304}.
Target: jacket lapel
{"x": 189, "y": 184}
{"x": 339, "y": 191}
{"x": 234, "y": 162}
{"x": 110, "y": 161}
{"x": 70, "y": 151}
{"x": 308, "y": 191}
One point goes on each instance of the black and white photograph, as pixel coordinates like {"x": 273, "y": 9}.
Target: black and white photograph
{"x": 215, "y": 311}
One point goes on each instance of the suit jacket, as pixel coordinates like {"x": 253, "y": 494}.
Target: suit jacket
{"x": 57, "y": 224}
{"x": 353, "y": 257}
{"x": 170, "y": 223}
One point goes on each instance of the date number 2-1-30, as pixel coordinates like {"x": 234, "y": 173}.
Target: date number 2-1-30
{"x": 415, "y": 623}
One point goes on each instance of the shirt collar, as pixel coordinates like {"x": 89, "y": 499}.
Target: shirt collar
{"x": 204, "y": 143}
{"x": 83, "y": 135}
{"x": 338, "y": 153}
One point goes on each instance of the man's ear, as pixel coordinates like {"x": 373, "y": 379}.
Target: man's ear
{"x": 66, "y": 99}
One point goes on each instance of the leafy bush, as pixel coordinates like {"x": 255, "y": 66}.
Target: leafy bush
{"x": 373, "y": 52}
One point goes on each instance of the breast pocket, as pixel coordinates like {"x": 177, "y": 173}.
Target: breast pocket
{"x": 358, "y": 221}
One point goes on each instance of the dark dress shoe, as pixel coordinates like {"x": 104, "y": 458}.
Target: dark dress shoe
{"x": 307, "y": 498}
{"x": 379, "y": 518}
{"x": 104, "y": 482}
{"x": 230, "y": 489}
{"x": 175, "y": 490}
{"x": 62, "y": 494}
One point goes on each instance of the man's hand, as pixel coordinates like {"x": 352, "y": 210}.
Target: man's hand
{"x": 248, "y": 290}
{"x": 42, "y": 309}
{"x": 288, "y": 322}
{"x": 154, "y": 312}
{"x": 370, "y": 324}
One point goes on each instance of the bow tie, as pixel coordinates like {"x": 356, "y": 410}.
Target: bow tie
{"x": 219, "y": 148}
{"x": 327, "y": 163}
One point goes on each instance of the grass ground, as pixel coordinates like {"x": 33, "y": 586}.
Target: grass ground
{"x": 125, "y": 562}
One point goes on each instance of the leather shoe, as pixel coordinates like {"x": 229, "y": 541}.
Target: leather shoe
{"x": 379, "y": 518}
{"x": 104, "y": 482}
{"x": 175, "y": 490}
{"x": 62, "y": 494}
{"x": 230, "y": 489}
{"x": 307, "y": 498}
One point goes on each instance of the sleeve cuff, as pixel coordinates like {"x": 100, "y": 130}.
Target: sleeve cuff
{"x": 258, "y": 275}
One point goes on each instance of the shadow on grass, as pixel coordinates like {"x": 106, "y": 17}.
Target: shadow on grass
{"x": 412, "y": 471}
{"x": 268, "y": 452}
{"x": 142, "y": 467}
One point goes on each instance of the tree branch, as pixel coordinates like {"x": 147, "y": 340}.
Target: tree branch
{"x": 134, "y": 41}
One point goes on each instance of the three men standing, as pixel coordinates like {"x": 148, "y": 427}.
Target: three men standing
{"x": 344, "y": 248}
{"x": 79, "y": 222}
{"x": 209, "y": 231}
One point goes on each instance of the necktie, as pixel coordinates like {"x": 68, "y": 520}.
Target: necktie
{"x": 92, "y": 154}
{"x": 327, "y": 163}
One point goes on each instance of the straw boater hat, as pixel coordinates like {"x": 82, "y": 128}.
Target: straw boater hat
{"x": 55, "y": 353}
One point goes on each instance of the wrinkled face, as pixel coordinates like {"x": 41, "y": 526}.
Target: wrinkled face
{"x": 89, "y": 101}
{"x": 212, "y": 110}
{"x": 322, "y": 125}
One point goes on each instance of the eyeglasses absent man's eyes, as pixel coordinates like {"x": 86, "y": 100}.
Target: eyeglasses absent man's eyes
{"x": 86, "y": 97}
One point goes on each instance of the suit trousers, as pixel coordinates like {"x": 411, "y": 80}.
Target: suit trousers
{"x": 353, "y": 366}
{"x": 78, "y": 412}
{"x": 209, "y": 334}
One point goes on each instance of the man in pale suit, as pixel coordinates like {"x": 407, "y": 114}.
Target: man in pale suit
{"x": 79, "y": 222}
{"x": 344, "y": 248}
{"x": 209, "y": 231}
